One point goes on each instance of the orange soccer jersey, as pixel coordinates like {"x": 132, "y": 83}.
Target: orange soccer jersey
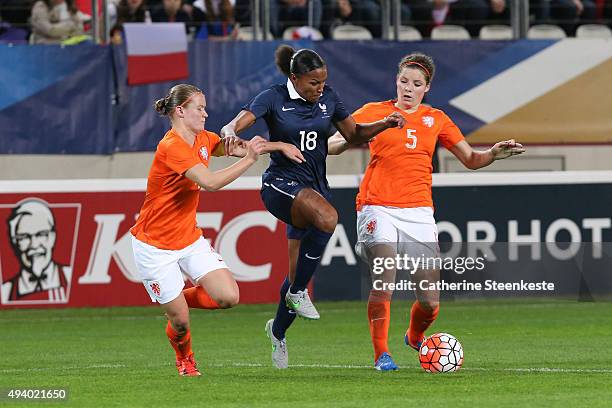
{"x": 399, "y": 172}
{"x": 167, "y": 219}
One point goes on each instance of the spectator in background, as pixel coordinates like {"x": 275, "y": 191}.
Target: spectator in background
{"x": 421, "y": 15}
{"x": 570, "y": 13}
{"x": 171, "y": 12}
{"x": 133, "y": 11}
{"x": 472, "y": 14}
{"x": 54, "y": 21}
{"x": 295, "y": 13}
{"x": 217, "y": 14}
{"x": 539, "y": 12}
{"x": 366, "y": 13}
{"x": 195, "y": 12}
{"x": 126, "y": 11}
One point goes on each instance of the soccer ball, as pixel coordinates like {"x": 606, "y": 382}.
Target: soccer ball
{"x": 441, "y": 353}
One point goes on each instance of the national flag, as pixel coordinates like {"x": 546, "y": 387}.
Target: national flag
{"x": 157, "y": 52}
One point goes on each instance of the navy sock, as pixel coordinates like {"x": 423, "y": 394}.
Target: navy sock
{"x": 283, "y": 318}
{"x": 312, "y": 245}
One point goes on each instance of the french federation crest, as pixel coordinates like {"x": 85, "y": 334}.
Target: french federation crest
{"x": 428, "y": 121}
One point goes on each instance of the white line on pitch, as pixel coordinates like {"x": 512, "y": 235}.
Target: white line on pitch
{"x": 323, "y": 366}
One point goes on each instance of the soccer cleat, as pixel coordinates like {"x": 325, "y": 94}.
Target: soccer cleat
{"x": 301, "y": 304}
{"x": 280, "y": 356}
{"x": 385, "y": 363}
{"x": 187, "y": 367}
{"x": 417, "y": 347}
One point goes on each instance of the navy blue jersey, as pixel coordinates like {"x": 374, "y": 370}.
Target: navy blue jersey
{"x": 291, "y": 119}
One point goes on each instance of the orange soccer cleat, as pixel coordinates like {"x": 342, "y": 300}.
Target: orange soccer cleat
{"x": 187, "y": 367}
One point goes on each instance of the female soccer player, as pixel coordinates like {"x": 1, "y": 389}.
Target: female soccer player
{"x": 166, "y": 240}
{"x": 299, "y": 115}
{"x": 394, "y": 203}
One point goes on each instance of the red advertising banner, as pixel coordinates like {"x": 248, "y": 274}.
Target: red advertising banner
{"x": 65, "y": 248}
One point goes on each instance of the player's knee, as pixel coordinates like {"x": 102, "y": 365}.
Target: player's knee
{"x": 228, "y": 299}
{"x": 180, "y": 324}
{"x": 327, "y": 221}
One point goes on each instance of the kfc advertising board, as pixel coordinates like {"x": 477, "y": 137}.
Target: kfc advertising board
{"x": 67, "y": 243}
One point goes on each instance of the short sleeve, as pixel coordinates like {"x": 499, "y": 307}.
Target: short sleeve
{"x": 180, "y": 158}
{"x": 213, "y": 140}
{"x": 449, "y": 134}
{"x": 340, "y": 112}
{"x": 261, "y": 104}
{"x": 365, "y": 114}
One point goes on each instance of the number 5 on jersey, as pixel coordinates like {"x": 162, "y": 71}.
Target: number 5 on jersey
{"x": 308, "y": 141}
{"x": 412, "y": 139}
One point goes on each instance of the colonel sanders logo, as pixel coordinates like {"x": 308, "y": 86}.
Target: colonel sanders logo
{"x": 36, "y": 275}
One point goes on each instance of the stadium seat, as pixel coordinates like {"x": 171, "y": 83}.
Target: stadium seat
{"x": 408, "y": 33}
{"x": 300, "y": 32}
{"x": 495, "y": 32}
{"x": 351, "y": 32}
{"x": 545, "y": 32}
{"x": 450, "y": 32}
{"x": 247, "y": 34}
{"x": 593, "y": 31}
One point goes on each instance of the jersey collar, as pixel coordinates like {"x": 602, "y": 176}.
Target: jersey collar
{"x": 293, "y": 94}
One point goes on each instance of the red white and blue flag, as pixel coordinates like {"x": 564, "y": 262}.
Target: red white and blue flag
{"x": 157, "y": 52}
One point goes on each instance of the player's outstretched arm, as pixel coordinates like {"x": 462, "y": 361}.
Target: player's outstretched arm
{"x": 336, "y": 144}
{"x": 236, "y": 148}
{"x": 476, "y": 159}
{"x": 358, "y": 133}
{"x": 290, "y": 151}
{"x": 215, "y": 180}
{"x": 229, "y": 133}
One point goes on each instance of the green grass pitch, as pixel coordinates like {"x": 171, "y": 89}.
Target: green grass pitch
{"x": 523, "y": 353}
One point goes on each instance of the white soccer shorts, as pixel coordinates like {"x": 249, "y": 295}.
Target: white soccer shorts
{"x": 161, "y": 270}
{"x": 412, "y": 231}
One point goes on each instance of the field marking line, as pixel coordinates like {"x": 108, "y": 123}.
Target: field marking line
{"x": 323, "y": 366}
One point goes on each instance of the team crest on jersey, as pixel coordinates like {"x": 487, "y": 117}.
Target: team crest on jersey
{"x": 155, "y": 288}
{"x": 428, "y": 121}
{"x": 204, "y": 153}
{"x": 371, "y": 226}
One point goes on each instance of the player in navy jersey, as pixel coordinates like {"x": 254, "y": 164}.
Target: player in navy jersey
{"x": 300, "y": 115}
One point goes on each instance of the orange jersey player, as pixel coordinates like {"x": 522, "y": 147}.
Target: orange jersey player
{"x": 166, "y": 240}
{"x": 394, "y": 205}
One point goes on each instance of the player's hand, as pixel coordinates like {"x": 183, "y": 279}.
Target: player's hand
{"x": 293, "y": 153}
{"x": 255, "y": 147}
{"x": 234, "y": 146}
{"x": 507, "y": 148}
{"x": 395, "y": 120}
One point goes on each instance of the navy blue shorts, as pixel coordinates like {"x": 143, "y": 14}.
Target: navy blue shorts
{"x": 277, "y": 194}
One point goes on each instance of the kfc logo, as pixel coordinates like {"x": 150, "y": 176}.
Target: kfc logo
{"x": 40, "y": 268}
